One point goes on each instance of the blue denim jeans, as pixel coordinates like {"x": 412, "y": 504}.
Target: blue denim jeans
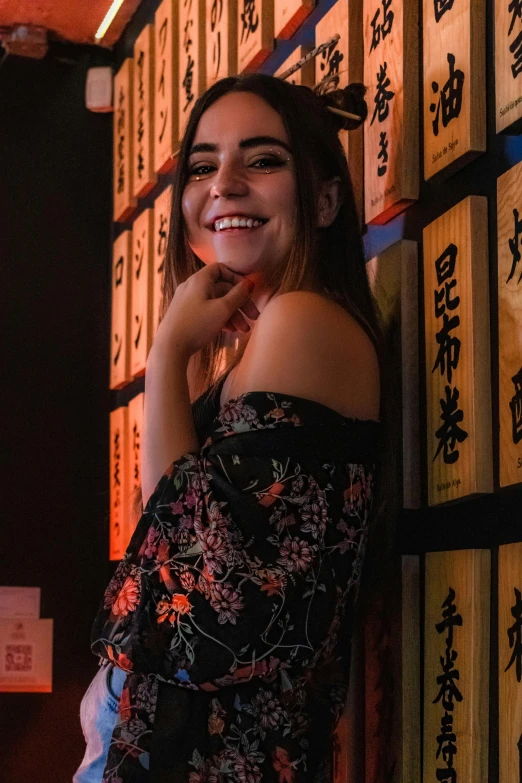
{"x": 98, "y": 713}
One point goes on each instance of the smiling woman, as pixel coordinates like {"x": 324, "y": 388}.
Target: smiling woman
{"x": 231, "y": 612}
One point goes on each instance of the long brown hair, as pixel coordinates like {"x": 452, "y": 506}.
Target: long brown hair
{"x": 334, "y": 255}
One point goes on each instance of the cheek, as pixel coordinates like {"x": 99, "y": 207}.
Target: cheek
{"x": 189, "y": 206}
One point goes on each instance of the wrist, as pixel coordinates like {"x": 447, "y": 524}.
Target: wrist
{"x": 168, "y": 350}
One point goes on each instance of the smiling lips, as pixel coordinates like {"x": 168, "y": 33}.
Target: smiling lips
{"x": 239, "y": 221}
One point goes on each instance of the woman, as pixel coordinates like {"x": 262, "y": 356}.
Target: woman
{"x": 231, "y": 612}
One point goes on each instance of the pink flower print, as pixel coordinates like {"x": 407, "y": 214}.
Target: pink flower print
{"x": 214, "y": 550}
{"x": 236, "y": 412}
{"x": 246, "y": 769}
{"x": 187, "y": 579}
{"x": 267, "y": 709}
{"x": 315, "y": 516}
{"x": 191, "y": 498}
{"x": 152, "y": 538}
{"x": 177, "y": 507}
{"x": 128, "y": 597}
{"x": 186, "y": 522}
{"x": 226, "y": 600}
{"x": 276, "y": 413}
{"x": 296, "y": 555}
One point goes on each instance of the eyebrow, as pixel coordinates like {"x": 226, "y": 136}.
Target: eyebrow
{"x": 244, "y": 144}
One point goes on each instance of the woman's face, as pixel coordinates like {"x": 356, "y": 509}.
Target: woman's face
{"x": 241, "y": 169}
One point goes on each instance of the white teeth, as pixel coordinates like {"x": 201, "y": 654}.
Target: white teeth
{"x": 236, "y": 222}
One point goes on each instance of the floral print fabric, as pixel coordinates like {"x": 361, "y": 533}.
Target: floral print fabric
{"x": 232, "y": 606}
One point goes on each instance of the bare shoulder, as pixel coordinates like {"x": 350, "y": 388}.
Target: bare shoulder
{"x": 307, "y": 345}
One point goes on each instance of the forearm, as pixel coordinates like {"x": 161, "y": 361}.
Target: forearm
{"x": 168, "y": 425}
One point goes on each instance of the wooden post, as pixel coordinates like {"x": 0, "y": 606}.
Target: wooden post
{"x": 141, "y": 294}
{"x": 456, "y": 670}
{"x": 166, "y": 82}
{"x": 120, "y": 311}
{"x": 509, "y": 222}
{"x": 144, "y": 177}
{"x": 221, "y": 40}
{"x": 454, "y": 45}
{"x": 391, "y": 132}
{"x": 255, "y": 33}
{"x": 124, "y": 202}
{"x": 458, "y": 384}
{"x": 393, "y": 280}
{"x": 339, "y": 65}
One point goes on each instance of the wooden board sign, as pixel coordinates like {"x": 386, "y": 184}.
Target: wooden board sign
{"x": 458, "y": 385}
{"x": 255, "y": 33}
{"x": 508, "y": 66}
{"x": 162, "y": 207}
{"x": 454, "y": 45}
{"x": 133, "y": 462}
{"x": 221, "y": 39}
{"x": 510, "y": 662}
{"x": 391, "y": 131}
{"x": 144, "y": 177}
{"x": 289, "y": 15}
{"x": 118, "y": 490}
{"x": 339, "y": 65}
{"x": 192, "y": 58}
{"x": 456, "y": 666}
{"x": 120, "y": 311}
{"x": 393, "y": 280}
{"x": 509, "y": 223}
{"x": 124, "y": 202}
{"x": 304, "y": 75}
{"x": 166, "y": 123}
{"x": 141, "y": 295}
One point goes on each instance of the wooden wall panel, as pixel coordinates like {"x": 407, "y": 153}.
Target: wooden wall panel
{"x": 340, "y": 65}
{"x": 143, "y": 175}
{"x": 393, "y": 280}
{"x": 456, "y": 670}
{"x": 509, "y": 221}
{"x": 141, "y": 293}
{"x": 289, "y": 15}
{"x": 391, "y": 132}
{"x": 510, "y": 662}
{"x": 118, "y": 489}
{"x": 124, "y": 202}
{"x": 454, "y": 46}
{"x": 162, "y": 207}
{"x": 121, "y": 311}
{"x": 508, "y": 66}
{"x": 166, "y": 83}
{"x": 133, "y": 461}
{"x": 192, "y": 58}
{"x": 255, "y": 33}
{"x": 221, "y": 39}
{"x": 458, "y": 382}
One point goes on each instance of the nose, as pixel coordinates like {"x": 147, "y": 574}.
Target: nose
{"x": 229, "y": 180}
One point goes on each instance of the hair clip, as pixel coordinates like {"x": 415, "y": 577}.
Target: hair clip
{"x": 309, "y": 56}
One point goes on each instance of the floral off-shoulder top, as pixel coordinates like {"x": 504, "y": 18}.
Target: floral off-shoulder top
{"x": 232, "y": 608}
